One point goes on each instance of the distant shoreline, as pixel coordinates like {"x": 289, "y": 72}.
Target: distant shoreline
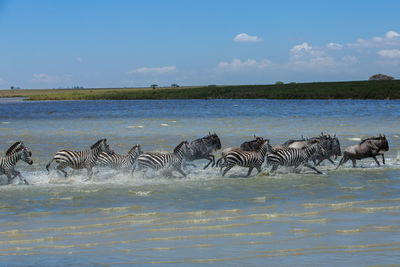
{"x": 317, "y": 90}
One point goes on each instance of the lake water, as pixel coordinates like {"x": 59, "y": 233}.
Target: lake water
{"x": 346, "y": 216}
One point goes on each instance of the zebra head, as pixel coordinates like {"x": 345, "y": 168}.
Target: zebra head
{"x": 102, "y": 146}
{"x": 26, "y": 155}
{"x": 135, "y": 151}
{"x": 183, "y": 149}
{"x": 266, "y": 146}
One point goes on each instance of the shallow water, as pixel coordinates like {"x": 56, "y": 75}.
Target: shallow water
{"x": 349, "y": 216}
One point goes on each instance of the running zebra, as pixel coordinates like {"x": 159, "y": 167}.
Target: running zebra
{"x": 250, "y": 159}
{"x": 118, "y": 161}
{"x": 294, "y": 157}
{"x": 8, "y": 163}
{"x": 157, "y": 161}
{"x": 80, "y": 159}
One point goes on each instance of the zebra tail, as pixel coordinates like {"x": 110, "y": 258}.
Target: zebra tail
{"x": 48, "y": 165}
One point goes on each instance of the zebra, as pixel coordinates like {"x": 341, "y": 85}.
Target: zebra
{"x": 250, "y": 159}
{"x": 157, "y": 161}
{"x": 8, "y": 162}
{"x": 118, "y": 161}
{"x": 294, "y": 157}
{"x": 80, "y": 159}
{"x": 252, "y": 145}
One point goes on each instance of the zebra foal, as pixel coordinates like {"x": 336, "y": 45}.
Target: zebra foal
{"x": 80, "y": 159}
{"x": 157, "y": 161}
{"x": 250, "y": 159}
{"x": 118, "y": 161}
{"x": 8, "y": 162}
{"x": 294, "y": 157}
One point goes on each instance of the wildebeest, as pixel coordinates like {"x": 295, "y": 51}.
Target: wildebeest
{"x": 331, "y": 146}
{"x": 253, "y": 145}
{"x": 202, "y": 148}
{"x": 367, "y": 148}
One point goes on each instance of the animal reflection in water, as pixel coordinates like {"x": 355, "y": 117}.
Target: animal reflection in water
{"x": 250, "y": 154}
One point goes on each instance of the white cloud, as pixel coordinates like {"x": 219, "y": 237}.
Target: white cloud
{"x": 79, "y": 59}
{"x": 304, "y": 47}
{"x": 237, "y": 64}
{"x": 245, "y": 38}
{"x": 391, "y": 38}
{"x": 390, "y": 53}
{"x": 391, "y": 35}
{"x": 46, "y": 78}
{"x": 158, "y": 70}
{"x": 334, "y": 46}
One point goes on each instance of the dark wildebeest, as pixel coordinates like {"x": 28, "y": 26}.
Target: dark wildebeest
{"x": 331, "y": 146}
{"x": 367, "y": 148}
{"x": 253, "y": 145}
{"x": 202, "y": 148}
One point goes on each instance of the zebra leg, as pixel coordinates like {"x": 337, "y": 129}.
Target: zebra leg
{"x": 218, "y": 163}
{"x": 383, "y": 159}
{"x": 178, "y": 169}
{"x": 212, "y": 160}
{"x": 61, "y": 168}
{"x": 21, "y": 178}
{"x": 377, "y": 162}
{"x": 331, "y": 161}
{"x": 90, "y": 173}
{"x": 227, "y": 169}
{"x": 9, "y": 177}
{"x": 274, "y": 167}
{"x": 48, "y": 165}
{"x": 313, "y": 168}
{"x": 249, "y": 172}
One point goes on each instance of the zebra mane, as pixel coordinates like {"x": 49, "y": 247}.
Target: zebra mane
{"x": 15, "y": 147}
{"x": 98, "y": 143}
{"x": 134, "y": 148}
{"x": 176, "y": 149}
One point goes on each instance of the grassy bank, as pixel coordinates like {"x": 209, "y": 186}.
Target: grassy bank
{"x": 321, "y": 90}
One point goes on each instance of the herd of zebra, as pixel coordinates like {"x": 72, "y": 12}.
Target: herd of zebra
{"x": 251, "y": 154}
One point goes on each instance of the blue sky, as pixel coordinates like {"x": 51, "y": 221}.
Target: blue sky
{"x": 52, "y": 44}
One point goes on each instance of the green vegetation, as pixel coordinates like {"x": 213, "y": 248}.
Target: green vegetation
{"x": 321, "y": 90}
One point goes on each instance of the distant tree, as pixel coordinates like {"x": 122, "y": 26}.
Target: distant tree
{"x": 380, "y": 77}
{"x": 212, "y": 85}
{"x": 279, "y": 83}
{"x": 12, "y": 87}
{"x": 174, "y": 85}
{"x": 154, "y": 86}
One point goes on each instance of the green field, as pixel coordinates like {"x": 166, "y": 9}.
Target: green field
{"x": 317, "y": 90}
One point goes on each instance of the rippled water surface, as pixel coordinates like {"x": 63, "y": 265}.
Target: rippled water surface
{"x": 346, "y": 216}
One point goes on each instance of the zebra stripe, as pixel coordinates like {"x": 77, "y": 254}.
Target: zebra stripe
{"x": 157, "y": 161}
{"x": 80, "y": 159}
{"x": 8, "y": 163}
{"x": 250, "y": 159}
{"x": 294, "y": 157}
{"x": 118, "y": 161}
